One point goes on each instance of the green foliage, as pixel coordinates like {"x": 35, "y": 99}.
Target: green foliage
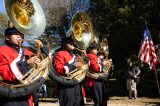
{"x": 123, "y": 21}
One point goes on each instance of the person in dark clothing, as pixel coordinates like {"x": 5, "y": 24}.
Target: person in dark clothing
{"x": 42, "y": 91}
{"x": 132, "y": 75}
{"x": 64, "y": 62}
{"x": 103, "y": 56}
{"x": 14, "y": 64}
{"x": 97, "y": 86}
{"x": 35, "y": 98}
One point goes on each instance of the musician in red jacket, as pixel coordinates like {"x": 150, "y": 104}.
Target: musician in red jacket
{"x": 14, "y": 64}
{"x": 65, "y": 62}
{"x": 97, "y": 86}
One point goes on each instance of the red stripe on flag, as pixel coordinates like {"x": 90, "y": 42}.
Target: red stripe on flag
{"x": 147, "y": 53}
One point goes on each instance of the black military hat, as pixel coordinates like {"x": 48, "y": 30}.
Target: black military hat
{"x": 67, "y": 40}
{"x": 100, "y": 53}
{"x": 12, "y": 31}
{"x": 93, "y": 45}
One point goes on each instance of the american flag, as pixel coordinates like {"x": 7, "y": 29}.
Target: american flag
{"x": 147, "y": 51}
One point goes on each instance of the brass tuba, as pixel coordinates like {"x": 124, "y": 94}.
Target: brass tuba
{"x": 82, "y": 33}
{"x": 27, "y": 16}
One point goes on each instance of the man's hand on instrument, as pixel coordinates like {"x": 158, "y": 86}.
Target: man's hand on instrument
{"x": 105, "y": 63}
{"x": 33, "y": 59}
{"x": 78, "y": 64}
{"x": 24, "y": 1}
{"x": 38, "y": 44}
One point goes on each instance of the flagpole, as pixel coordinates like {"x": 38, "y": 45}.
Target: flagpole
{"x": 149, "y": 57}
{"x": 157, "y": 81}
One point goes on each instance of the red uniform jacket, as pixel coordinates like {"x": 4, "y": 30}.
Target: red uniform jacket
{"x": 94, "y": 66}
{"x": 7, "y": 56}
{"x": 64, "y": 62}
{"x": 9, "y": 66}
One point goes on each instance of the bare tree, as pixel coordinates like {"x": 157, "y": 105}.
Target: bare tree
{"x": 55, "y": 10}
{"x": 3, "y": 23}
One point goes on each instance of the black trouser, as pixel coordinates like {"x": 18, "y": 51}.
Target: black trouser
{"x": 98, "y": 93}
{"x": 20, "y": 101}
{"x": 70, "y": 95}
{"x": 35, "y": 98}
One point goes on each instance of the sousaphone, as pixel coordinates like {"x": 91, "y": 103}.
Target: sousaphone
{"x": 28, "y": 17}
{"x": 82, "y": 33}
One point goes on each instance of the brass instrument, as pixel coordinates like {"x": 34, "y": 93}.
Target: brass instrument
{"x": 82, "y": 33}
{"x": 29, "y": 19}
{"x": 79, "y": 73}
{"x": 103, "y": 47}
{"x": 38, "y": 70}
{"x": 71, "y": 78}
{"x": 104, "y": 75}
{"x": 82, "y": 29}
{"x": 26, "y": 15}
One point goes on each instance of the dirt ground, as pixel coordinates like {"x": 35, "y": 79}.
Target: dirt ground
{"x": 114, "y": 101}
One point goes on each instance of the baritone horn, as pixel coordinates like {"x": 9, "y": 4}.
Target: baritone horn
{"x": 28, "y": 17}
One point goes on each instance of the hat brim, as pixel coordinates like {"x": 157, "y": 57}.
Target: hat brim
{"x": 12, "y": 31}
